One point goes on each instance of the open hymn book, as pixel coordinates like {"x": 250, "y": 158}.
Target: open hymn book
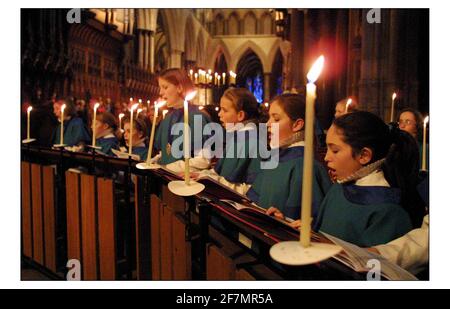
{"x": 125, "y": 155}
{"x": 358, "y": 259}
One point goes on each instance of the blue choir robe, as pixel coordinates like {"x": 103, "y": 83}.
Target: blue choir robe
{"x": 74, "y": 132}
{"x": 141, "y": 151}
{"x": 363, "y": 215}
{"x": 164, "y": 138}
{"x": 107, "y": 143}
{"x": 281, "y": 187}
{"x": 240, "y": 163}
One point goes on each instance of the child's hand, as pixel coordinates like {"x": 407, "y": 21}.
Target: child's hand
{"x": 273, "y": 211}
{"x": 296, "y": 224}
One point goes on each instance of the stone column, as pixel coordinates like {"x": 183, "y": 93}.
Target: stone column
{"x": 267, "y": 77}
{"x": 175, "y": 58}
{"x": 141, "y": 48}
{"x": 146, "y": 49}
{"x": 297, "y": 38}
{"x": 151, "y": 55}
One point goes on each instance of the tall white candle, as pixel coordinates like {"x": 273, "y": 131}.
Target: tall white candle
{"x": 138, "y": 112}
{"x": 94, "y": 124}
{"x": 28, "y": 121}
{"x": 152, "y": 133}
{"x": 424, "y": 144}
{"x": 308, "y": 160}
{"x": 187, "y": 144}
{"x": 394, "y": 95}
{"x": 63, "y": 107}
{"x": 130, "y": 148}
{"x": 120, "y": 121}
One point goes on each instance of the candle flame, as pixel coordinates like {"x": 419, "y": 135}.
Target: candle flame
{"x": 121, "y": 115}
{"x": 217, "y": 109}
{"x": 316, "y": 69}
{"x": 29, "y": 108}
{"x": 266, "y": 104}
{"x": 148, "y": 101}
{"x": 134, "y": 106}
{"x": 63, "y": 107}
{"x": 131, "y": 99}
{"x": 200, "y": 107}
{"x": 394, "y": 95}
{"x": 160, "y": 104}
{"x": 96, "y": 106}
{"x": 139, "y": 110}
{"x": 425, "y": 121}
{"x": 140, "y": 100}
{"x": 190, "y": 95}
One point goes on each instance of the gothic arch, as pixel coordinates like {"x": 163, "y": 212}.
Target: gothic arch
{"x": 267, "y": 65}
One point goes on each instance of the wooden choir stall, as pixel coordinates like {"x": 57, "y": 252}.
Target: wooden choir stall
{"x": 122, "y": 223}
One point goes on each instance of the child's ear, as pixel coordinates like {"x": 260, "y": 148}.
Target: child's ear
{"x": 298, "y": 125}
{"x": 241, "y": 116}
{"x": 365, "y": 156}
{"x": 180, "y": 90}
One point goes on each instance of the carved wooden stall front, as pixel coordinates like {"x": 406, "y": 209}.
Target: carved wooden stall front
{"x": 91, "y": 234}
{"x": 39, "y": 241}
{"x": 171, "y": 251}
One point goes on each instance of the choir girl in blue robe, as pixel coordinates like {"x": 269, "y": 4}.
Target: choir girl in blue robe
{"x": 139, "y": 137}
{"x": 106, "y": 125}
{"x": 75, "y": 132}
{"x": 375, "y": 199}
{"x": 279, "y": 189}
{"x": 174, "y": 85}
{"x": 238, "y": 166}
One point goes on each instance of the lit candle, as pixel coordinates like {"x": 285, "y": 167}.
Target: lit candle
{"x": 223, "y": 78}
{"x": 394, "y": 95}
{"x": 308, "y": 160}
{"x": 266, "y": 105}
{"x": 130, "y": 146}
{"x": 140, "y": 101}
{"x": 196, "y": 78}
{"x": 349, "y": 102}
{"x": 120, "y": 121}
{"x": 152, "y": 133}
{"x": 187, "y": 144}
{"x": 424, "y": 144}
{"x": 28, "y": 121}
{"x": 138, "y": 111}
{"x": 217, "y": 109}
{"x": 131, "y": 99}
{"x": 218, "y": 80}
{"x": 164, "y": 113}
{"x": 215, "y": 78}
{"x": 94, "y": 123}
{"x": 148, "y": 104}
{"x": 190, "y": 74}
{"x": 63, "y": 107}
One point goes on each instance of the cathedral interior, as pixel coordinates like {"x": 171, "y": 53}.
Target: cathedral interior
{"x": 114, "y": 54}
{"x": 99, "y": 213}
